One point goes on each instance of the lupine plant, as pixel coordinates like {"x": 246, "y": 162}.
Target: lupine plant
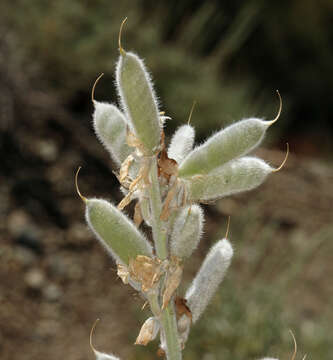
{"x": 168, "y": 184}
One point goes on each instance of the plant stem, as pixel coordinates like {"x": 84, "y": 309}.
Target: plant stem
{"x": 169, "y": 324}
{"x": 168, "y": 316}
{"x": 159, "y": 229}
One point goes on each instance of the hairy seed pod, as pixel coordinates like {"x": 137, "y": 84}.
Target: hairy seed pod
{"x": 187, "y": 230}
{"x": 115, "y": 231}
{"x": 181, "y": 143}
{"x": 208, "y": 278}
{"x": 230, "y": 143}
{"x": 236, "y": 176}
{"x": 110, "y": 128}
{"x": 138, "y": 100}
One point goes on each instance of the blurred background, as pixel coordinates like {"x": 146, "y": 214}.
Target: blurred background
{"x": 229, "y": 56}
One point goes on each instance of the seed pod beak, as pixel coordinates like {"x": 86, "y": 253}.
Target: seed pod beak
{"x": 269, "y": 123}
{"x": 284, "y": 161}
{"x": 84, "y": 199}
{"x": 121, "y": 50}
{"x": 93, "y": 88}
{"x": 191, "y": 112}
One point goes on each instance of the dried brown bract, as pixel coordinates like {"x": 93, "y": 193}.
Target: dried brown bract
{"x": 145, "y": 270}
{"x": 173, "y": 279}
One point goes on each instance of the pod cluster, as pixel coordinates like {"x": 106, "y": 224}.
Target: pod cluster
{"x": 186, "y": 176}
{"x": 219, "y": 167}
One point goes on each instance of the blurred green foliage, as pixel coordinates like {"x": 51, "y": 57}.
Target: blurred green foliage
{"x": 229, "y": 56}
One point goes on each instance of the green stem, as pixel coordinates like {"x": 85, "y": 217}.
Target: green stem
{"x": 159, "y": 229}
{"x": 168, "y": 316}
{"x": 169, "y": 324}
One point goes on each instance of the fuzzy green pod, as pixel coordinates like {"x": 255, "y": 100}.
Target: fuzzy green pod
{"x": 236, "y": 176}
{"x": 232, "y": 142}
{"x": 115, "y": 231}
{"x": 187, "y": 231}
{"x": 110, "y": 128}
{"x": 181, "y": 143}
{"x": 138, "y": 100}
{"x": 208, "y": 278}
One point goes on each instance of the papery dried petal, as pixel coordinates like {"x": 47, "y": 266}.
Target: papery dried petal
{"x": 145, "y": 270}
{"x": 148, "y": 332}
{"x": 173, "y": 279}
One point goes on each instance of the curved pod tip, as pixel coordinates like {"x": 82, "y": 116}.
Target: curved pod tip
{"x": 121, "y": 50}
{"x": 269, "y": 123}
{"x": 94, "y": 86}
{"x": 284, "y": 161}
{"x": 84, "y": 199}
{"x": 99, "y": 355}
{"x": 91, "y": 335}
{"x": 191, "y": 112}
{"x": 227, "y": 231}
{"x": 295, "y": 345}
